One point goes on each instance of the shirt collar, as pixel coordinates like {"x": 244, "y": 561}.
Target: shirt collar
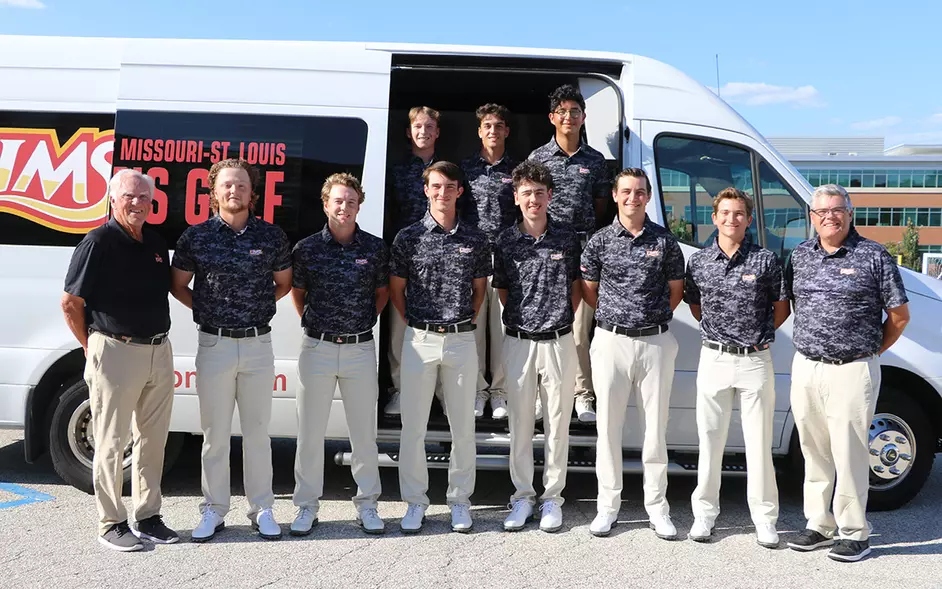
{"x": 621, "y": 231}
{"x": 220, "y": 224}
{"x": 328, "y": 237}
{"x": 743, "y": 250}
{"x": 431, "y": 224}
{"x": 518, "y": 234}
{"x": 555, "y": 149}
{"x": 850, "y": 242}
{"x": 416, "y": 160}
{"x": 483, "y": 162}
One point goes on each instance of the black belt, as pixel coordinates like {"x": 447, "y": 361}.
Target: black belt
{"x": 340, "y": 339}
{"x": 738, "y": 350}
{"x": 443, "y": 327}
{"x": 633, "y": 332}
{"x": 837, "y": 361}
{"x": 537, "y": 335}
{"x": 130, "y": 339}
{"x": 236, "y": 332}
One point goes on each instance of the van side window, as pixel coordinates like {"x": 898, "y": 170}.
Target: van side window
{"x": 785, "y": 215}
{"x": 294, "y": 154}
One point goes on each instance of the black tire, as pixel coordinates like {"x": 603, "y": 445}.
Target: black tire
{"x": 71, "y": 458}
{"x": 897, "y": 403}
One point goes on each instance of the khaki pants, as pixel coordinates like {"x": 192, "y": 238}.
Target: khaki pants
{"x": 643, "y": 366}
{"x": 425, "y": 356}
{"x": 530, "y": 366}
{"x": 397, "y": 328}
{"x": 130, "y": 390}
{"x": 322, "y": 366}
{"x": 490, "y": 331}
{"x": 581, "y": 328}
{"x": 833, "y": 407}
{"x": 229, "y": 372}
{"x": 721, "y": 377}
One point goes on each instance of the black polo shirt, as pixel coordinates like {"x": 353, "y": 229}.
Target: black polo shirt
{"x": 538, "y": 274}
{"x": 840, "y": 297}
{"x": 407, "y": 191}
{"x": 124, "y": 282}
{"x": 633, "y": 272}
{"x": 440, "y": 267}
{"x": 488, "y": 201}
{"x": 233, "y": 284}
{"x": 579, "y": 180}
{"x": 735, "y": 294}
{"x": 340, "y": 280}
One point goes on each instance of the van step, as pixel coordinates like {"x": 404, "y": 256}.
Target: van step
{"x": 502, "y": 462}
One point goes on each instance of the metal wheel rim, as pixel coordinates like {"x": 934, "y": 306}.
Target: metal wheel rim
{"x": 81, "y": 440}
{"x": 892, "y": 448}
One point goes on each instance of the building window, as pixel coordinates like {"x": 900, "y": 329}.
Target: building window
{"x": 874, "y": 178}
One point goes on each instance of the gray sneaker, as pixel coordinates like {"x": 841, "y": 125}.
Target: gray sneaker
{"x": 119, "y": 537}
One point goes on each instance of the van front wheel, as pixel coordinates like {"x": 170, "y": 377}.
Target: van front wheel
{"x": 72, "y": 445}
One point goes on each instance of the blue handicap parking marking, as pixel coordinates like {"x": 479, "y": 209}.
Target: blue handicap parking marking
{"x": 27, "y": 495}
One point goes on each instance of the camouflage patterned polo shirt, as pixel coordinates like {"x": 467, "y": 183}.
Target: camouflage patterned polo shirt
{"x": 233, "y": 285}
{"x": 839, "y": 298}
{"x": 633, "y": 272}
{"x": 340, "y": 280}
{"x": 439, "y": 267}
{"x": 537, "y": 274}
{"x": 407, "y": 189}
{"x": 579, "y": 180}
{"x": 735, "y": 294}
{"x": 489, "y": 195}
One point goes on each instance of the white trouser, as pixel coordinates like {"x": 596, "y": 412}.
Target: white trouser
{"x": 529, "y": 366}
{"x": 229, "y": 372}
{"x": 833, "y": 407}
{"x": 397, "y": 327}
{"x": 490, "y": 331}
{"x": 622, "y": 366}
{"x": 581, "y": 329}
{"x": 425, "y": 356}
{"x": 322, "y": 367}
{"x": 721, "y": 377}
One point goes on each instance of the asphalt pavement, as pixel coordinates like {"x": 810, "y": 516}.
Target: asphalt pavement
{"x": 48, "y": 539}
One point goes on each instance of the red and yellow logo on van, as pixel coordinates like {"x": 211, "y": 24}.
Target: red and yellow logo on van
{"x": 62, "y": 186}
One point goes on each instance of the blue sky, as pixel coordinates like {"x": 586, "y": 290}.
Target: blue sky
{"x": 825, "y": 67}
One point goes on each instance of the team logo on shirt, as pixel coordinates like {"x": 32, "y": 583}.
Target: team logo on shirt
{"x": 255, "y": 252}
{"x": 583, "y": 268}
{"x": 158, "y": 259}
{"x": 584, "y": 170}
{"x": 653, "y": 253}
{"x": 749, "y": 277}
{"x": 362, "y": 261}
{"x": 848, "y": 271}
{"x": 506, "y": 180}
{"x": 465, "y": 250}
{"x": 556, "y": 256}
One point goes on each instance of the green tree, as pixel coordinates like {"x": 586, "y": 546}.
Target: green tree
{"x": 909, "y": 247}
{"x": 680, "y": 228}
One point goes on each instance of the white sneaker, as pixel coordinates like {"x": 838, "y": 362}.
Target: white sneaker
{"x": 264, "y": 523}
{"x": 551, "y": 519}
{"x": 663, "y": 527}
{"x": 370, "y": 521}
{"x": 461, "y": 518}
{"x": 412, "y": 521}
{"x": 394, "y": 406}
{"x": 584, "y": 410}
{"x": 210, "y": 523}
{"x": 538, "y": 410}
{"x": 701, "y": 530}
{"x": 766, "y": 535}
{"x": 498, "y": 405}
{"x": 602, "y": 524}
{"x": 520, "y": 511}
{"x": 304, "y": 522}
{"x": 480, "y": 400}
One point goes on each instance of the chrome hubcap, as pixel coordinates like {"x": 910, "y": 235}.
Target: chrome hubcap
{"x": 892, "y": 450}
{"x": 81, "y": 440}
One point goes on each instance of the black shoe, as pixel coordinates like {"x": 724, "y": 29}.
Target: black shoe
{"x": 153, "y": 529}
{"x": 119, "y": 537}
{"x": 849, "y": 550}
{"x": 809, "y": 540}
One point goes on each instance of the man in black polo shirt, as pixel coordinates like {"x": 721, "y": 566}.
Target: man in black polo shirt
{"x": 438, "y": 273}
{"x": 341, "y": 278}
{"x": 734, "y": 289}
{"x": 489, "y": 206}
{"x": 536, "y": 275}
{"x": 582, "y": 183}
{"x": 242, "y": 267}
{"x": 633, "y": 274}
{"x": 115, "y": 303}
{"x": 841, "y": 283}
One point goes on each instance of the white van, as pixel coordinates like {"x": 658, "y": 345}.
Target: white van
{"x": 71, "y": 109}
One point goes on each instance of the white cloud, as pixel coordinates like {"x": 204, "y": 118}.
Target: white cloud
{"x": 761, "y": 94}
{"x": 884, "y": 123}
{"x": 23, "y": 3}
{"x": 936, "y": 119}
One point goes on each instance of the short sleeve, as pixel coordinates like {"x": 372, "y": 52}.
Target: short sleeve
{"x": 691, "y": 290}
{"x": 776, "y": 281}
{"x": 673, "y": 260}
{"x": 80, "y": 278}
{"x": 482, "y": 263}
{"x": 500, "y": 269}
{"x": 382, "y": 266}
{"x": 591, "y": 260}
{"x": 183, "y": 254}
{"x": 399, "y": 257}
{"x": 891, "y": 282}
{"x": 298, "y": 267}
{"x": 282, "y": 259}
